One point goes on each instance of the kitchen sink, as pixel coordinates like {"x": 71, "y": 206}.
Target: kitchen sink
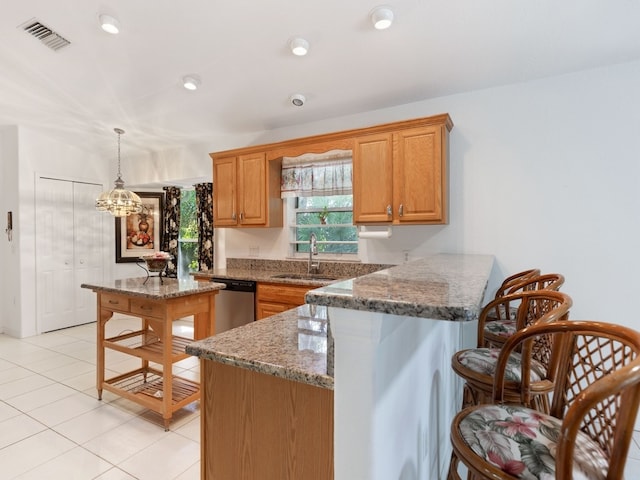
{"x": 304, "y": 276}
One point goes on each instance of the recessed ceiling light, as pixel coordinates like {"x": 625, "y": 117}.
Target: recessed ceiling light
{"x": 191, "y": 82}
{"x": 299, "y": 46}
{"x": 109, "y": 24}
{"x": 382, "y": 17}
{"x": 297, "y": 100}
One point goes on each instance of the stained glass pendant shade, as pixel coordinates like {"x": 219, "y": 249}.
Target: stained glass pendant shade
{"x": 119, "y": 202}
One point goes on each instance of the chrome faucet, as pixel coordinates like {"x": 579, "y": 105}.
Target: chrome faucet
{"x": 313, "y": 267}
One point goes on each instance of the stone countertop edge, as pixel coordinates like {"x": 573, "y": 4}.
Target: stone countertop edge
{"x": 153, "y": 288}
{"x": 443, "y": 287}
{"x": 271, "y": 346}
{"x": 263, "y": 276}
{"x": 266, "y": 270}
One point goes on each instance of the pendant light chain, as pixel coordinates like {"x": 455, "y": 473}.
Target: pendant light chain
{"x": 119, "y": 131}
{"x": 119, "y": 174}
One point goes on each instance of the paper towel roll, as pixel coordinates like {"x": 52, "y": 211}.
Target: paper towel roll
{"x": 365, "y": 234}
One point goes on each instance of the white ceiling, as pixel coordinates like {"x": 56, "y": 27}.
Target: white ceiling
{"x": 240, "y": 50}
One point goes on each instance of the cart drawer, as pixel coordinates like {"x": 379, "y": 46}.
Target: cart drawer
{"x": 118, "y": 303}
{"x": 147, "y": 308}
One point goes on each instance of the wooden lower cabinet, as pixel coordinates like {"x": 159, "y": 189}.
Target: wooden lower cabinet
{"x": 257, "y": 426}
{"x": 273, "y": 298}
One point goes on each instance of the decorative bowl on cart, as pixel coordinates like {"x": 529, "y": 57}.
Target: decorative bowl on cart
{"x": 156, "y": 262}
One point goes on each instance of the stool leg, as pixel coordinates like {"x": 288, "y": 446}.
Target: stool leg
{"x": 453, "y": 468}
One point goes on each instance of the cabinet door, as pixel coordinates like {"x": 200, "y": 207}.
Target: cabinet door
{"x": 419, "y": 176}
{"x": 224, "y": 192}
{"x": 252, "y": 189}
{"x": 267, "y": 309}
{"x": 373, "y": 179}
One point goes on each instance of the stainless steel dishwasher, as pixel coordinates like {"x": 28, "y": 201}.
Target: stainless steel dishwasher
{"x": 235, "y": 304}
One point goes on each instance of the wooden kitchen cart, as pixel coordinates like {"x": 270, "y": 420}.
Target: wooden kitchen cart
{"x": 158, "y": 305}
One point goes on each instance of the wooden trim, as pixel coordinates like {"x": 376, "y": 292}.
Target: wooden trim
{"x": 331, "y": 141}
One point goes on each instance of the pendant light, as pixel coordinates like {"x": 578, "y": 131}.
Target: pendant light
{"x": 119, "y": 202}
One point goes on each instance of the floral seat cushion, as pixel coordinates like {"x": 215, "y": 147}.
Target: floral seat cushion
{"x": 523, "y": 443}
{"x": 500, "y": 328}
{"x": 483, "y": 361}
{"x": 502, "y": 313}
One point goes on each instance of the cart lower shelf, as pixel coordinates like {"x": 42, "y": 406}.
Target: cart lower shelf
{"x": 146, "y": 387}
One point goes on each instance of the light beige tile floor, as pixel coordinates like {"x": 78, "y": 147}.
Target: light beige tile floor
{"x": 52, "y": 425}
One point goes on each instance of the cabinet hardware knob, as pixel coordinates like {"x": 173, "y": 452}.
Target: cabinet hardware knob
{"x": 233, "y": 216}
{"x": 113, "y": 302}
{"x": 389, "y": 211}
{"x": 241, "y": 216}
{"x": 401, "y": 210}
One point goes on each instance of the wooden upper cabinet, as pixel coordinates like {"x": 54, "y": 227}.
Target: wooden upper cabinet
{"x": 224, "y": 188}
{"x": 401, "y": 177}
{"x": 372, "y": 174}
{"x": 400, "y": 174}
{"x": 252, "y": 189}
{"x": 419, "y": 176}
{"x": 246, "y": 190}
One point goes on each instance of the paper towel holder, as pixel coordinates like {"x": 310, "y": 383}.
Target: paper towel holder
{"x": 365, "y": 233}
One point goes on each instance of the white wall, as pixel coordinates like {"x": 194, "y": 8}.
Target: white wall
{"x": 35, "y": 154}
{"x": 542, "y": 174}
{"x": 9, "y": 250}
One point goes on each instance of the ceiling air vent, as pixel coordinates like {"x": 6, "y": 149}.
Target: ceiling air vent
{"x": 43, "y": 33}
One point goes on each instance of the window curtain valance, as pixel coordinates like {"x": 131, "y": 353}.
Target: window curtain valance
{"x": 316, "y": 174}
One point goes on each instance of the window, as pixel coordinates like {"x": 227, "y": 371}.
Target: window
{"x": 331, "y": 219}
{"x": 319, "y": 188}
{"x": 188, "y": 238}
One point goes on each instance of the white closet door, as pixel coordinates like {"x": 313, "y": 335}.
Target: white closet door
{"x": 54, "y": 254}
{"x": 68, "y": 252}
{"x": 88, "y": 244}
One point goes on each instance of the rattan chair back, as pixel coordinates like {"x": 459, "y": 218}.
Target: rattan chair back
{"x": 544, "y": 306}
{"x": 597, "y": 385}
{"x": 524, "y": 307}
{"x": 547, "y": 281}
{"x": 514, "y": 279}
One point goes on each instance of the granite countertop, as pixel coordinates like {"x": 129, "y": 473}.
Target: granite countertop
{"x": 267, "y": 271}
{"x": 294, "y": 344}
{"x": 290, "y": 345}
{"x": 153, "y": 288}
{"x": 444, "y": 287}
{"x": 267, "y": 276}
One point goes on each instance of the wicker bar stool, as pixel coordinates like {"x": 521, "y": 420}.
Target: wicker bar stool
{"x": 496, "y": 333}
{"x": 476, "y": 366}
{"x": 512, "y": 280}
{"x": 586, "y": 434}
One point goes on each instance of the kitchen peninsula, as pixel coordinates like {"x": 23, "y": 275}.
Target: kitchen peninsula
{"x": 393, "y": 394}
{"x": 157, "y": 302}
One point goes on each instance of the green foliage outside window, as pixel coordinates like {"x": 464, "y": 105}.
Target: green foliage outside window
{"x": 188, "y": 231}
{"x": 338, "y": 226}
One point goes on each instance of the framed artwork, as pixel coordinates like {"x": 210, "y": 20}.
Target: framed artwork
{"x": 140, "y": 233}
